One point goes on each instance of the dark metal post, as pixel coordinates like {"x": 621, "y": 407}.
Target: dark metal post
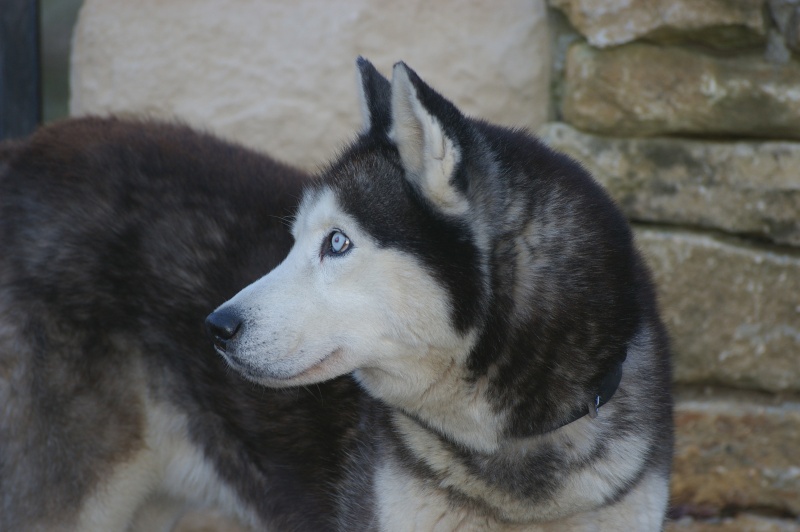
{"x": 20, "y": 77}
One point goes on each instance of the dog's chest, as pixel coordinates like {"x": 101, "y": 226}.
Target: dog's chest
{"x": 406, "y": 503}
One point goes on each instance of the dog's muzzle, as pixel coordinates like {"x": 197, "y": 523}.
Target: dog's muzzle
{"x": 223, "y": 325}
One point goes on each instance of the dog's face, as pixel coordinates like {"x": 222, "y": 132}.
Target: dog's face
{"x": 382, "y": 274}
{"x": 338, "y": 302}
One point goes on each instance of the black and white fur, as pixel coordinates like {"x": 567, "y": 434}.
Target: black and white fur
{"x": 485, "y": 289}
{"x": 420, "y": 374}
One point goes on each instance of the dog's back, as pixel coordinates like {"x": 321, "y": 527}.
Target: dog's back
{"x": 118, "y": 238}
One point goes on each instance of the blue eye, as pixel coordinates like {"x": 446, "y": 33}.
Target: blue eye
{"x": 339, "y": 243}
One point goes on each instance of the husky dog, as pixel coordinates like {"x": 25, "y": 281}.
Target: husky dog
{"x": 462, "y": 335}
{"x": 486, "y": 295}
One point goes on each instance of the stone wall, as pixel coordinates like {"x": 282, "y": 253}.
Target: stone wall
{"x": 689, "y": 113}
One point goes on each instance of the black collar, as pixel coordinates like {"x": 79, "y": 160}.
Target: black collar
{"x": 604, "y": 393}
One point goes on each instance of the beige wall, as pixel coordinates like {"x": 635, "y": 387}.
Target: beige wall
{"x": 280, "y": 76}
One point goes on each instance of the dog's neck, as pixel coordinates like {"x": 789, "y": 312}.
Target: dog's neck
{"x": 441, "y": 397}
{"x": 602, "y": 394}
{"x": 436, "y": 392}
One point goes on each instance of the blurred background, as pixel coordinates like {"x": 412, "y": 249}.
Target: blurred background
{"x": 687, "y": 111}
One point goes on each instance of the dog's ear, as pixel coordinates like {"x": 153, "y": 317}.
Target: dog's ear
{"x": 429, "y": 153}
{"x": 376, "y": 93}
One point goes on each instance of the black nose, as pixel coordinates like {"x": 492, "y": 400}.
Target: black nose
{"x": 223, "y": 325}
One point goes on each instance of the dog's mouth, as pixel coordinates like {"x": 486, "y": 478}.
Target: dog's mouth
{"x": 245, "y": 369}
{"x": 314, "y": 369}
{"x": 219, "y": 344}
{"x": 314, "y": 373}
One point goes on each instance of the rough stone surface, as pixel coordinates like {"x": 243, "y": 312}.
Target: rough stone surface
{"x": 719, "y": 23}
{"x": 733, "y": 311}
{"x": 281, "y": 76}
{"x": 645, "y": 90}
{"x": 737, "y": 451}
{"x": 738, "y": 187}
{"x": 740, "y": 523}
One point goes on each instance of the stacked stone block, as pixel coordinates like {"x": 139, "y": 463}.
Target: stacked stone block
{"x": 689, "y": 113}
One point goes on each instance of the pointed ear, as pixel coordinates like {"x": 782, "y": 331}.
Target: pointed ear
{"x": 375, "y": 97}
{"x": 429, "y": 154}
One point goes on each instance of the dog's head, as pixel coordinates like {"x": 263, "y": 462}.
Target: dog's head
{"x": 388, "y": 273}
